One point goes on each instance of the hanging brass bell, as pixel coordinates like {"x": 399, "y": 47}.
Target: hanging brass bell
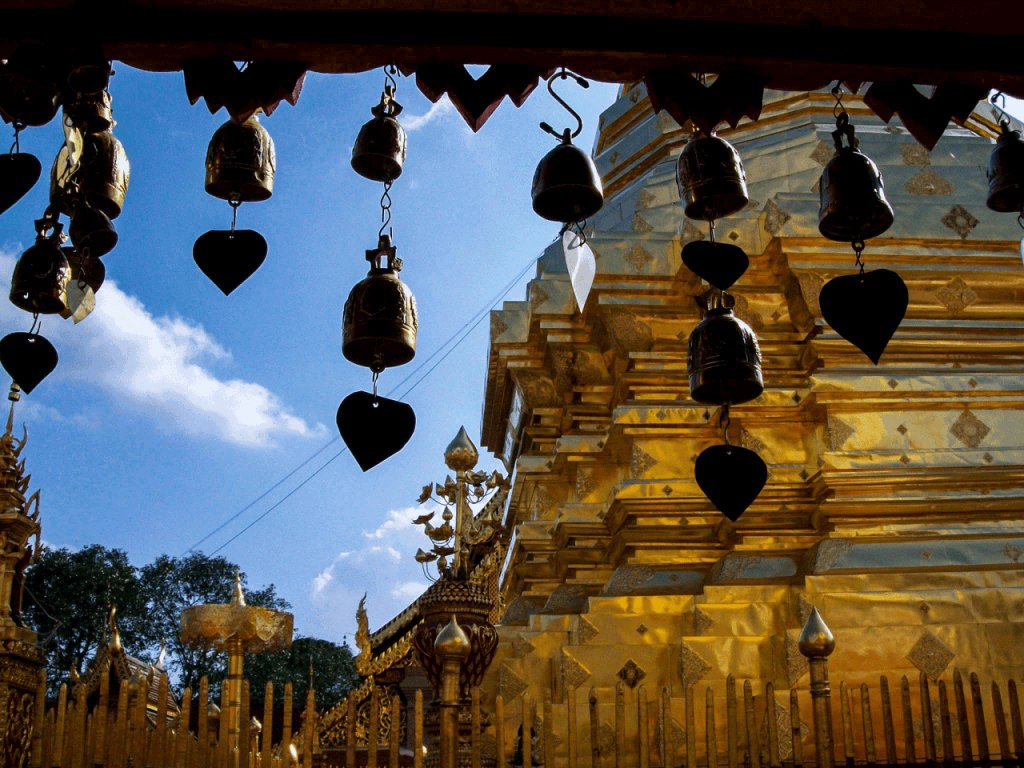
{"x": 28, "y": 93}
{"x": 566, "y": 185}
{"x": 723, "y": 359}
{"x": 711, "y": 179}
{"x": 90, "y": 73}
{"x": 240, "y": 162}
{"x": 1006, "y": 172}
{"x": 102, "y": 175}
{"x": 853, "y": 203}
{"x": 379, "y": 322}
{"x": 92, "y": 232}
{"x": 379, "y": 151}
{"x": 90, "y": 113}
{"x": 40, "y": 278}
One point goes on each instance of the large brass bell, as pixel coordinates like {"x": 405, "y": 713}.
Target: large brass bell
{"x": 853, "y": 203}
{"x": 1006, "y": 172}
{"x": 41, "y": 275}
{"x": 379, "y": 322}
{"x": 379, "y": 151}
{"x": 90, "y": 112}
{"x": 240, "y": 162}
{"x": 566, "y": 185}
{"x": 711, "y": 179}
{"x": 90, "y": 73}
{"x": 92, "y": 232}
{"x": 28, "y": 94}
{"x": 723, "y": 359}
{"x": 102, "y": 175}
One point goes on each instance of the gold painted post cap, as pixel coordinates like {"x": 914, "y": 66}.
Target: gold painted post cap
{"x": 452, "y": 641}
{"x": 238, "y": 596}
{"x": 461, "y": 454}
{"x": 816, "y": 639}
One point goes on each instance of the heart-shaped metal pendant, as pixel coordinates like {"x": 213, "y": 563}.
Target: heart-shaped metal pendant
{"x": 865, "y": 309}
{"x": 18, "y": 174}
{"x": 731, "y": 477}
{"x": 229, "y": 257}
{"x": 374, "y": 429}
{"x": 720, "y": 264}
{"x": 28, "y": 358}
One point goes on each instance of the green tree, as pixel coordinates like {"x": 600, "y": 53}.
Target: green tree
{"x": 172, "y": 584}
{"x": 66, "y": 602}
{"x": 334, "y": 672}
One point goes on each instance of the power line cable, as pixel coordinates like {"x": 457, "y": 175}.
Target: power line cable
{"x": 477, "y": 316}
{"x": 482, "y": 314}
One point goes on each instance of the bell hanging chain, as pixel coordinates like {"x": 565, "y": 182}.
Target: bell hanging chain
{"x": 858, "y": 249}
{"x": 385, "y": 211}
{"x": 16, "y": 146}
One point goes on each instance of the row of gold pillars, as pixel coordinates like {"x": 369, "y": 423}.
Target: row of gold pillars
{"x": 816, "y": 642}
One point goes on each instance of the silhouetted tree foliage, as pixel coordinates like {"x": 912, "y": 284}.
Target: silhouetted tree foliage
{"x": 334, "y": 672}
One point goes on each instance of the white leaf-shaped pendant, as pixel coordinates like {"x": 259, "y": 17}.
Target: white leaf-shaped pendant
{"x": 582, "y": 267}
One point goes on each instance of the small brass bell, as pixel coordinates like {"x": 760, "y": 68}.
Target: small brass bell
{"x": 90, "y": 113}
{"x": 41, "y": 275}
{"x": 379, "y": 322}
{"x": 566, "y": 184}
{"x": 723, "y": 359}
{"x": 711, "y": 179}
{"x": 240, "y": 162}
{"x": 853, "y": 203}
{"x": 379, "y": 151}
{"x": 92, "y": 231}
{"x": 27, "y": 92}
{"x": 1006, "y": 172}
{"x": 102, "y": 176}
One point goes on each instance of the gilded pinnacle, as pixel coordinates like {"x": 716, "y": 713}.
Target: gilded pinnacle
{"x": 238, "y": 597}
{"x": 461, "y": 454}
{"x": 816, "y": 639}
{"x": 452, "y": 641}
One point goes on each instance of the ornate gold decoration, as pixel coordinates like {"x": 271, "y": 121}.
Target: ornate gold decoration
{"x": 521, "y": 647}
{"x": 641, "y": 629}
{"x": 689, "y": 233}
{"x": 960, "y": 220}
{"x": 641, "y": 462}
{"x": 701, "y": 622}
{"x": 606, "y": 740}
{"x": 629, "y": 332}
{"x": 803, "y": 608}
{"x": 823, "y": 152}
{"x": 1011, "y": 552}
{"x": 969, "y": 429}
{"x": 566, "y": 598}
{"x": 743, "y": 312}
{"x": 751, "y": 442}
{"x": 902, "y": 429}
{"x": 638, "y": 257}
{"x": 363, "y": 639}
{"x": 784, "y": 724}
{"x": 811, "y": 284}
{"x": 543, "y": 503}
{"x": 574, "y": 674}
{"x": 639, "y": 224}
{"x": 775, "y": 218}
{"x": 585, "y": 484}
{"x": 644, "y": 200}
{"x": 839, "y": 431}
{"x": 498, "y": 326}
{"x": 796, "y": 663}
{"x": 537, "y": 295}
{"x": 829, "y": 553}
{"x": 666, "y": 123}
{"x": 631, "y": 673}
{"x": 16, "y": 718}
{"x": 930, "y": 655}
{"x": 914, "y": 154}
{"x": 626, "y": 579}
{"x": 692, "y": 666}
{"x": 956, "y": 295}
{"x": 585, "y": 631}
{"x": 538, "y": 389}
{"x": 927, "y": 182}
{"x": 509, "y": 683}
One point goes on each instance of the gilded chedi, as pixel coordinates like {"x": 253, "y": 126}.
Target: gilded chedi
{"x": 895, "y": 494}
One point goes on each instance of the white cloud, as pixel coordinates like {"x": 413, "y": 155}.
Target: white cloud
{"x": 438, "y": 109}
{"x": 408, "y": 590}
{"x": 161, "y": 366}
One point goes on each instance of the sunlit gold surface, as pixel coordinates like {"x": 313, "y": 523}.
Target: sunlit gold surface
{"x": 895, "y": 499}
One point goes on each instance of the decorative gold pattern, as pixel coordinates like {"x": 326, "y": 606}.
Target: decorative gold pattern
{"x": 574, "y": 674}
{"x": 585, "y": 631}
{"x": 839, "y": 432}
{"x": 701, "y": 622}
{"x": 18, "y": 715}
{"x": 631, "y": 673}
{"x": 775, "y": 218}
{"x": 914, "y": 154}
{"x": 902, "y": 429}
{"x": 830, "y": 552}
{"x": 638, "y": 257}
{"x": 930, "y": 655}
{"x": 784, "y": 724}
{"x": 749, "y": 441}
{"x": 692, "y": 666}
{"x": 640, "y": 224}
{"x": 641, "y": 629}
{"x": 641, "y": 461}
{"x": 498, "y": 326}
{"x": 823, "y": 152}
{"x": 969, "y": 429}
{"x": 585, "y": 484}
{"x": 627, "y": 578}
{"x": 796, "y": 663}
{"x": 537, "y": 295}
{"x": 689, "y": 233}
{"x": 803, "y": 608}
{"x": 956, "y": 295}
{"x": 521, "y": 647}
{"x": 960, "y": 220}
{"x": 1011, "y": 552}
{"x": 810, "y": 286}
{"x": 509, "y": 683}
{"x": 927, "y": 182}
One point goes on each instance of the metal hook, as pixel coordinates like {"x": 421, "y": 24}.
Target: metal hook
{"x": 858, "y": 249}
{"x": 376, "y": 375}
{"x": 385, "y": 210}
{"x": 37, "y": 325}
{"x": 837, "y": 91}
{"x": 234, "y": 201}
{"x": 16, "y": 146}
{"x": 724, "y": 421}
{"x": 711, "y": 225}
{"x": 1004, "y": 120}
{"x": 565, "y": 135}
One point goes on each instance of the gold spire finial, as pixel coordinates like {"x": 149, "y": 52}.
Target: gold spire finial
{"x": 816, "y": 639}
{"x": 163, "y": 653}
{"x": 238, "y": 597}
{"x": 452, "y": 640}
{"x": 14, "y": 396}
{"x": 461, "y": 454}
{"x": 115, "y": 636}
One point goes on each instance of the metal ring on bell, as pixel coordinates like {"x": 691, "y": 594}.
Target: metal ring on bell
{"x": 853, "y": 202}
{"x": 240, "y": 162}
{"x": 711, "y": 179}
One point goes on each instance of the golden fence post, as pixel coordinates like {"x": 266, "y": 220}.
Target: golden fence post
{"x": 711, "y": 737}
{"x": 1000, "y": 715}
{"x": 58, "y": 733}
{"x": 526, "y": 728}
{"x": 844, "y": 704}
{"x": 595, "y": 725}
{"x": 908, "y": 721}
{"x": 452, "y": 648}
{"x": 866, "y": 725}
{"x": 773, "y": 725}
{"x": 499, "y": 727}
{"x": 266, "y": 736}
{"x": 183, "y": 736}
{"x": 48, "y": 729}
{"x": 753, "y": 745}
{"x": 945, "y": 725}
{"x": 286, "y": 724}
{"x": 961, "y": 716}
{"x": 474, "y": 733}
{"x": 308, "y": 728}
{"x": 665, "y": 719}
{"x": 979, "y": 718}
{"x": 573, "y": 744}
{"x": 244, "y": 725}
{"x": 1015, "y": 721}
{"x": 549, "y": 731}
{"x": 158, "y": 758}
{"x": 620, "y": 724}
{"x": 417, "y": 733}
{"x": 37, "y": 721}
{"x": 372, "y": 729}
{"x": 887, "y": 723}
{"x": 396, "y": 709}
{"x": 116, "y": 751}
{"x": 202, "y": 732}
{"x": 350, "y": 730}
{"x": 794, "y": 720}
{"x": 643, "y": 736}
{"x": 101, "y": 715}
{"x": 816, "y": 643}
{"x": 690, "y": 742}
{"x": 926, "y": 718}
{"x": 732, "y": 744}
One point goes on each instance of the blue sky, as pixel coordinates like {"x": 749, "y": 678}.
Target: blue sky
{"x": 173, "y": 407}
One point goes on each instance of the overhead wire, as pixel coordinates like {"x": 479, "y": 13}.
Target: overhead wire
{"x": 472, "y": 323}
